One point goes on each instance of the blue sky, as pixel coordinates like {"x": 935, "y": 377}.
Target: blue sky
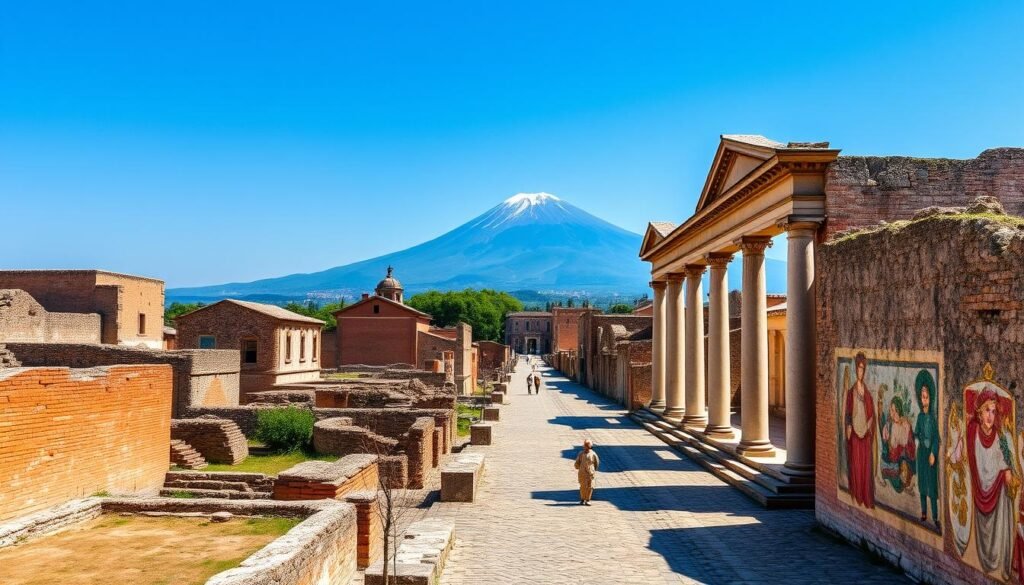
{"x": 205, "y": 143}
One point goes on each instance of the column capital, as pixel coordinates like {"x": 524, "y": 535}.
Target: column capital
{"x": 694, "y": 270}
{"x": 793, "y": 223}
{"x": 752, "y": 245}
{"x": 657, "y": 284}
{"x": 718, "y": 259}
{"x": 675, "y": 277}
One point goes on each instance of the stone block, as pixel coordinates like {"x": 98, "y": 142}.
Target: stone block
{"x": 459, "y": 477}
{"x": 501, "y": 387}
{"x": 480, "y": 434}
{"x": 492, "y": 413}
{"x": 420, "y": 557}
{"x": 497, "y": 397}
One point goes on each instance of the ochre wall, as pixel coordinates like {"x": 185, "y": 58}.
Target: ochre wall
{"x": 67, "y": 434}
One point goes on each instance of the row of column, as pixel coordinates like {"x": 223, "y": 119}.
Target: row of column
{"x": 678, "y": 360}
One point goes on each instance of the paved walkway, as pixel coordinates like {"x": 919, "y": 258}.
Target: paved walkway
{"x": 656, "y": 517}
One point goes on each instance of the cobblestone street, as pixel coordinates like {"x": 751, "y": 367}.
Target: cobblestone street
{"x": 656, "y": 517}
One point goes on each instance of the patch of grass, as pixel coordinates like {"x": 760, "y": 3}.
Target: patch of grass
{"x": 101, "y": 494}
{"x": 183, "y": 495}
{"x": 285, "y": 429}
{"x": 343, "y": 376}
{"x": 464, "y": 411}
{"x": 271, "y": 464}
{"x": 273, "y": 526}
{"x": 214, "y": 566}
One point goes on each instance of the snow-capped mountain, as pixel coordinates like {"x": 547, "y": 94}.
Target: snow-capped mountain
{"x": 531, "y": 241}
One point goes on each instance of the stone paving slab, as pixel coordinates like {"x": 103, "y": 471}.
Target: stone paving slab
{"x": 656, "y": 517}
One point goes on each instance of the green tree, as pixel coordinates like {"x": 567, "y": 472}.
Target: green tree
{"x": 620, "y": 309}
{"x": 315, "y": 310}
{"x": 177, "y": 309}
{"x": 484, "y": 310}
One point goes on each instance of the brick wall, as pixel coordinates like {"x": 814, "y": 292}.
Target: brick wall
{"x": 202, "y": 377}
{"x": 493, "y": 355}
{"x": 948, "y": 290}
{"x": 382, "y": 338}
{"x": 218, "y": 441}
{"x": 24, "y": 319}
{"x": 420, "y": 450}
{"x": 565, "y": 328}
{"x": 863, "y": 190}
{"x": 67, "y": 434}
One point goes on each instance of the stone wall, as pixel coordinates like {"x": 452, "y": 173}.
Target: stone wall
{"x": 202, "y": 377}
{"x": 24, "y": 319}
{"x": 493, "y": 355}
{"x": 217, "y": 440}
{"x": 931, "y": 303}
{"x": 71, "y": 433}
{"x": 864, "y": 190}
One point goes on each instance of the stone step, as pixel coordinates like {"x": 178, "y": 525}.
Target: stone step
{"x": 766, "y": 490}
{"x": 184, "y": 455}
{"x": 212, "y": 484}
{"x": 219, "y": 494}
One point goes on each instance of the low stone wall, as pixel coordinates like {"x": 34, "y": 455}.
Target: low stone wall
{"x": 338, "y": 436}
{"x": 395, "y": 470}
{"x": 421, "y": 556}
{"x": 316, "y": 480}
{"x": 420, "y": 449}
{"x": 220, "y": 484}
{"x": 459, "y": 477}
{"x": 322, "y": 549}
{"x": 369, "y": 528}
{"x": 282, "y": 397}
{"x": 217, "y": 440}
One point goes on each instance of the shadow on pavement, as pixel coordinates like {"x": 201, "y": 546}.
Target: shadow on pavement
{"x": 582, "y": 423}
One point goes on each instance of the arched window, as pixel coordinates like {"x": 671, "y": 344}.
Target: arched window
{"x": 288, "y": 346}
{"x": 302, "y": 346}
{"x": 315, "y": 354}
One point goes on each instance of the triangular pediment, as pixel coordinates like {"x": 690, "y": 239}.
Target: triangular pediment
{"x": 738, "y": 156}
{"x": 656, "y": 232}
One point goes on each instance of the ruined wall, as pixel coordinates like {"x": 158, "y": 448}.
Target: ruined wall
{"x": 24, "y": 319}
{"x": 565, "y": 328}
{"x": 864, "y": 190}
{"x": 202, "y": 377}
{"x": 218, "y": 441}
{"x": 493, "y": 355}
{"x": 68, "y": 434}
{"x": 904, "y": 310}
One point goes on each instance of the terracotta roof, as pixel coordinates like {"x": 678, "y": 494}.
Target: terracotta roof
{"x": 663, "y": 228}
{"x": 779, "y": 308}
{"x": 529, "y": 314}
{"x": 274, "y": 311}
{"x": 383, "y": 300}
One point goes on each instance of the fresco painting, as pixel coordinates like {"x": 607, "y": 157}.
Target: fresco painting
{"x": 889, "y": 440}
{"x": 983, "y": 471}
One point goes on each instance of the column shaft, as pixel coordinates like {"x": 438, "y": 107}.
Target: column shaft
{"x": 696, "y": 412}
{"x": 674, "y": 336}
{"x": 754, "y": 440}
{"x": 801, "y": 349}
{"x": 658, "y": 347}
{"x": 719, "y": 379}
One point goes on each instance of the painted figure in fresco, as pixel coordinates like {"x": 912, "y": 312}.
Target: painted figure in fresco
{"x": 993, "y": 483}
{"x": 961, "y": 509}
{"x": 926, "y": 430}
{"x": 859, "y": 422}
{"x": 898, "y": 449}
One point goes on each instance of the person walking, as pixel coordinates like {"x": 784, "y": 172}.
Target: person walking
{"x": 536, "y": 383}
{"x": 586, "y": 465}
{"x": 529, "y": 383}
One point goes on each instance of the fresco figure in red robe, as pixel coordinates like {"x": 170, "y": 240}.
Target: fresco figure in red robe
{"x": 859, "y": 425}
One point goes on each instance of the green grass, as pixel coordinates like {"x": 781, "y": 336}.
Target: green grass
{"x": 183, "y": 495}
{"x": 463, "y": 423}
{"x": 343, "y": 376}
{"x": 270, "y": 464}
{"x": 273, "y": 526}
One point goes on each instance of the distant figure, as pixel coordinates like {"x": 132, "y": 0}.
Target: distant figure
{"x": 586, "y": 465}
{"x": 529, "y": 384}
{"x": 536, "y": 383}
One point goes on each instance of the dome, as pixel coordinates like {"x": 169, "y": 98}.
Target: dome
{"x": 390, "y": 287}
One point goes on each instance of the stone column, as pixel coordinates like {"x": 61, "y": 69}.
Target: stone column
{"x": 658, "y": 347}
{"x": 696, "y": 412}
{"x": 674, "y": 336}
{"x": 754, "y": 440}
{"x": 719, "y": 361}
{"x": 801, "y": 351}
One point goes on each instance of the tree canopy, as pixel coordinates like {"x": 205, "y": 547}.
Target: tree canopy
{"x": 324, "y": 312}
{"x": 176, "y": 309}
{"x": 620, "y": 309}
{"x": 484, "y": 310}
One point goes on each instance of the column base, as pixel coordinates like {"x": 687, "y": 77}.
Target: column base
{"x": 759, "y": 448}
{"x": 657, "y": 405}
{"x": 674, "y": 412}
{"x": 801, "y": 470}
{"x": 719, "y": 432}
{"x": 695, "y": 420}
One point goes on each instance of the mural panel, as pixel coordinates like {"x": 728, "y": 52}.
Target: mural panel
{"x": 983, "y": 470}
{"x": 889, "y": 442}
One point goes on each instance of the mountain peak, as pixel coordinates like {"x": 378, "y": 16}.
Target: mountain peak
{"x": 531, "y": 198}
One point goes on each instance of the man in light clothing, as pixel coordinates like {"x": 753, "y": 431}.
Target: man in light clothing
{"x": 586, "y": 464}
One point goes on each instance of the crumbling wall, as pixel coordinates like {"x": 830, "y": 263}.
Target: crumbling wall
{"x": 217, "y": 440}
{"x": 22, "y": 318}
{"x": 68, "y": 434}
{"x": 864, "y": 190}
{"x": 932, "y": 302}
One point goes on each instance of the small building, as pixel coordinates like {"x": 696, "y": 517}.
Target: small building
{"x": 131, "y": 308}
{"x": 493, "y": 355}
{"x": 565, "y": 325}
{"x": 277, "y": 346}
{"x": 528, "y": 332}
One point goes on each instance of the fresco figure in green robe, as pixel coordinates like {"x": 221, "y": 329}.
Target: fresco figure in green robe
{"x": 926, "y": 431}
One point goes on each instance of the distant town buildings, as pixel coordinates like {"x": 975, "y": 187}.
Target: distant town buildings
{"x": 528, "y": 332}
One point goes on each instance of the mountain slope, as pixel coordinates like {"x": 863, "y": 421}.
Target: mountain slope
{"x": 528, "y": 242}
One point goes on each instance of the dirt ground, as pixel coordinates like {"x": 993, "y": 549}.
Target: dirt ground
{"x": 138, "y": 550}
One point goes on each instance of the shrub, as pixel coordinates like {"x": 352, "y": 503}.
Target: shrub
{"x": 285, "y": 429}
